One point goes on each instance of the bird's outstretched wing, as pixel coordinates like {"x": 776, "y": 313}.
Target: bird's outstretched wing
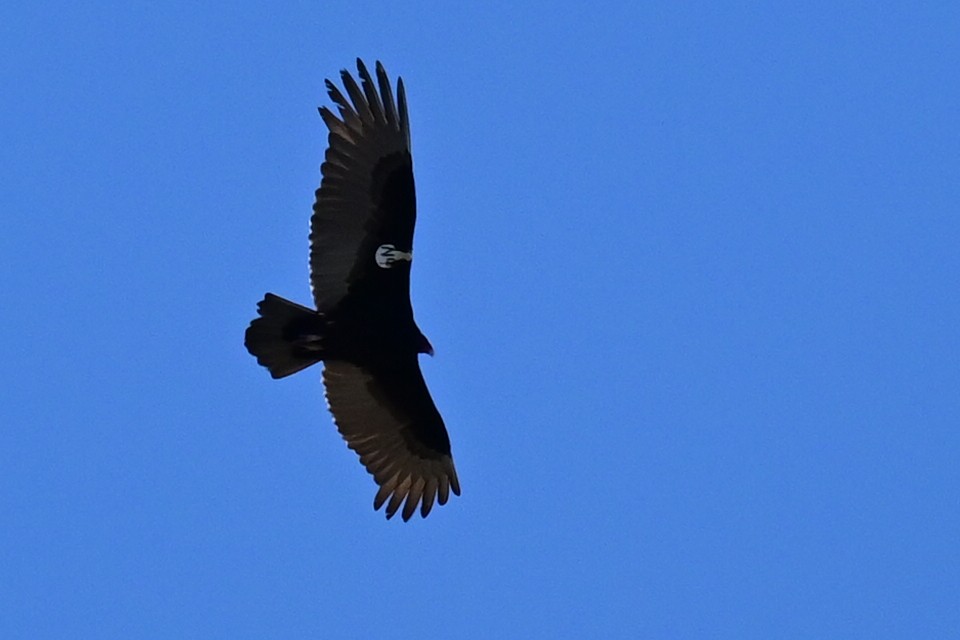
{"x": 366, "y": 198}
{"x": 386, "y": 415}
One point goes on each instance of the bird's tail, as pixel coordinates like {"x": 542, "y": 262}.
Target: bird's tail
{"x": 286, "y": 337}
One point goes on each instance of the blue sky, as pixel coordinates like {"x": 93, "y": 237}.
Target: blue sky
{"x": 690, "y": 269}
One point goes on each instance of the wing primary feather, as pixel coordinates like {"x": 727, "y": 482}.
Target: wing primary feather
{"x": 395, "y": 501}
{"x": 391, "y": 481}
{"x": 386, "y": 93}
{"x": 454, "y": 481}
{"x": 351, "y": 119}
{"x": 359, "y": 101}
{"x": 413, "y": 498}
{"x": 337, "y": 97}
{"x": 402, "y": 105}
{"x": 398, "y": 496}
{"x": 336, "y": 127}
{"x": 382, "y": 496}
{"x": 443, "y": 492}
{"x": 429, "y": 494}
{"x": 370, "y": 91}
{"x": 410, "y": 506}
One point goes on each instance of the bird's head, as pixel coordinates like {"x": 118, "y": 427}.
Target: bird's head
{"x": 425, "y": 346}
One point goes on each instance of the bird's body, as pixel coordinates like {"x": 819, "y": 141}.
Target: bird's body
{"x": 363, "y": 329}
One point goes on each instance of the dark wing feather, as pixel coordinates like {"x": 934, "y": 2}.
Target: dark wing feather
{"x": 366, "y": 197}
{"x": 386, "y": 415}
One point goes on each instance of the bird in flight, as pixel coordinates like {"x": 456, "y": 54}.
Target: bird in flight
{"x": 361, "y": 252}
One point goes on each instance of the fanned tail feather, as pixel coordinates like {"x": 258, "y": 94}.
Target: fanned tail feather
{"x": 286, "y": 338}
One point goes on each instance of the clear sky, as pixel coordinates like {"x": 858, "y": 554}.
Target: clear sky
{"x": 691, "y": 271}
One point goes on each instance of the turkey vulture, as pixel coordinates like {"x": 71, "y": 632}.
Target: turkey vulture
{"x": 361, "y": 250}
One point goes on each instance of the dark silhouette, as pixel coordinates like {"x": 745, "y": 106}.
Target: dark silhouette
{"x": 361, "y": 251}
